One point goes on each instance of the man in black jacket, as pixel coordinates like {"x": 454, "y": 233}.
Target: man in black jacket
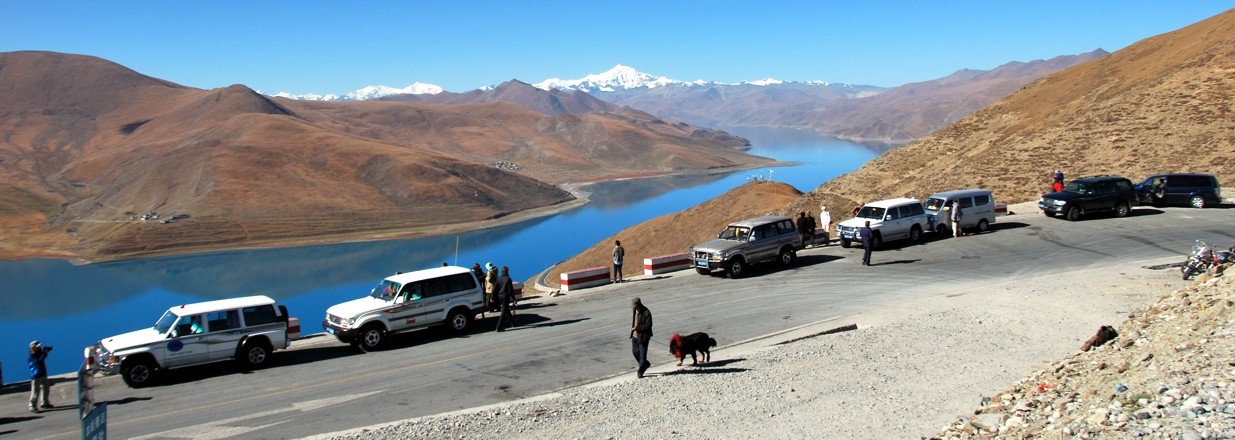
{"x": 505, "y": 293}
{"x": 640, "y": 334}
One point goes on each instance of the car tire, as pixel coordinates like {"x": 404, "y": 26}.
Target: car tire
{"x": 876, "y": 240}
{"x": 137, "y": 372}
{"x": 255, "y": 353}
{"x": 1197, "y": 202}
{"x": 1121, "y": 209}
{"x": 371, "y": 337}
{"x": 459, "y": 319}
{"x": 786, "y": 257}
{"x": 845, "y": 243}
{"x": 1073, "y": 214}
{"x": 983, "y": 226}
{"x": 702, "y": 271}
{"x": 915, "y": 234}
{"x": 736, "y": 268}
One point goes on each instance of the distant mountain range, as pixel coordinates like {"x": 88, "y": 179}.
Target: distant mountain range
{"x": 850, "y": 111}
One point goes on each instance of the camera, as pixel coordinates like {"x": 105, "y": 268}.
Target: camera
{"x": 47, "y": 348}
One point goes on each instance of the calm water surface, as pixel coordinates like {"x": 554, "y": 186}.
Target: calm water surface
{"x": 70, "y": 307}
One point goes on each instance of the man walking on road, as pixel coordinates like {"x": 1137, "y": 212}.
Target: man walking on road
{"x": 867, "y": 243}
{"x": 640, "y": 334}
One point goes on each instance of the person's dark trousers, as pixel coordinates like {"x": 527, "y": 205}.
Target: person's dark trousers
{"x": 617, "y": 273}
{"x": 866, "y": 255}
{"x": 506, "y": 317}
{"x": 640, "y": 349}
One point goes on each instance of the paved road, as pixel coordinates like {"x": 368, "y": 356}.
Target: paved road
{"x": 324, "y": 386}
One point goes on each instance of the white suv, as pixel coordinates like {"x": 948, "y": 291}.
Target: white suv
{"x": 448, "y": 295}
{"x": 248, "y": 329}
{"x": 891, "y": 219}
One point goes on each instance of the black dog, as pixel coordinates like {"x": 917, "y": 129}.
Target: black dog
{"x": 679, "y": 346}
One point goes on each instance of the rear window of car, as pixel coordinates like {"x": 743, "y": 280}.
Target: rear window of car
{"x": 912, "y": 209}
{"x": 981, "y": 200}
{"x": 259, "y": 315}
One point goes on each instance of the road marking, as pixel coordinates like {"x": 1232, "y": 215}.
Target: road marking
{"x": 220, "y": 429}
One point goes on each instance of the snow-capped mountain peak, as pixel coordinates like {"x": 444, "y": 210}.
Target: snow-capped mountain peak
{"x": 366, "y": 93}
{"x": 619, "y": 77}
{"x": 764, "y": 82}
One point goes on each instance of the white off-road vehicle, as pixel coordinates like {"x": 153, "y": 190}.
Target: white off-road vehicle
{"x": 248, "y": 329}
{"x": 891, "y": 219}
{"x": 447, "y": 295}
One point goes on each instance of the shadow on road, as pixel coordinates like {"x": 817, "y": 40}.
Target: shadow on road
{"x": 703, "y": 371}
{"x": 883, "y": 263}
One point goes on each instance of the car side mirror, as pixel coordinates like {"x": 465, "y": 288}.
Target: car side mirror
{"x": 887, "y": 217}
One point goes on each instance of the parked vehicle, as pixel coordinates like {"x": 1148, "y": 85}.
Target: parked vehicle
{"x": 977, "y": 210}
{"x": 891, "y": 219}
{"x": 746, "y": 242}
{"x": 1195, "y": 190}
{"x": 448, "y": 295}
{"x": 1082, "y": 197}
{"x": 247, "y": 329}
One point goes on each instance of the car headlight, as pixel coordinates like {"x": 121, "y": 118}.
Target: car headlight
{"x": 351, "y": 321}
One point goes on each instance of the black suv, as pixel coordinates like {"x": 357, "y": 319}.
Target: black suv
{"x": 1083, "y": 196}
{"x": 1196, "y": 190}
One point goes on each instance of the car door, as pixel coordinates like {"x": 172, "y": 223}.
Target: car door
{"x": 983, "y": 208}
{"x": 968, "y": 216}
{"x": 187, "y": 344}
{"x": 894, "y": 223}
{"x": 433, "y": 305}
{"x": 762, "y": 243}
{"x": 223, "y": 333}
{"x": 408, "y": 307}
{"x": 1106, "y": 195}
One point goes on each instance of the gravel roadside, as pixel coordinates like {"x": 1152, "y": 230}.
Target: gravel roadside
{"x": 911, "y": 371}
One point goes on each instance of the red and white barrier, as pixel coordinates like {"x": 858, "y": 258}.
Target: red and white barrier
{"x": 518, "y": 291}
{"x": 666, "y": 263}
{"x": 1000, "y": 209}
{"x": 581, "y": 279}
{"x": 293, "y": 329}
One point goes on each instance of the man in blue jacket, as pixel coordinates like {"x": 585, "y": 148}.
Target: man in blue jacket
{"x": 38, "y": 375}
{"x": 867, "y": 242}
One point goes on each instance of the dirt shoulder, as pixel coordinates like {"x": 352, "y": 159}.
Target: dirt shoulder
{"x": 906, "y": 372}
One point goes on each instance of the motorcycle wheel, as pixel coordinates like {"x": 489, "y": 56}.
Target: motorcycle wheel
{"x": 1187, "y": 271}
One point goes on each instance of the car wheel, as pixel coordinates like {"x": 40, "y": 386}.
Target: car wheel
{"x": 1121, "y": 209}
{"x": 371, "y": 337}
{"x": 702, "y": 271}
{"x": 137, "y": 373}
{"x": 254, "y": 354}
{"x": 1197, "y": 202}
{"x": 459, "y": 319}
{"x": 876, "y": 240}
{"x": 983, "y": 226}
{"x": 845, "y": 243}
{"x": 737, "y": 268}
{"x": 786, "y": 257}
{"x": 915, "y": 234}
{"x": 1073, "y": 214}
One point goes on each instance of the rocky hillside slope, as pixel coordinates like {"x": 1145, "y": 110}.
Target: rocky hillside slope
{"x": 1160, "y": 105}
{"x": 1169, "y": 374}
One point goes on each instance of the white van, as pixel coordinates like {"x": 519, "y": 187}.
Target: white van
{"x": 977, "y": 209}
{"x": 447, "y": 295}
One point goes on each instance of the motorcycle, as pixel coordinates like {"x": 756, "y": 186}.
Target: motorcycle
{"x": 1198, "y": 260}
{"x": 1204, "y": 258}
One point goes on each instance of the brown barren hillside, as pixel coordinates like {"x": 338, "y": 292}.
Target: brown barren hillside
{"x": 87, "y": 147}
{"x": 1163, "y": 104}
{"x": 677, "y": 232}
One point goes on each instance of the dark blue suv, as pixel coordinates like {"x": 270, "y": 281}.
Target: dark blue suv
{"x": 1195, "y": 190}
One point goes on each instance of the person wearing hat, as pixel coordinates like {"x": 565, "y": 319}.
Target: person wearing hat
{"x": 491, "y": 287}
{"x": 640, "y": 334}
{"x": 38, "y": 376}
{"x": 505, "y": 294}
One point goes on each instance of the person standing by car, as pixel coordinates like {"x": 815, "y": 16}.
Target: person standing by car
{"x": 640, "y": 334}
{"x": 619, "y": 256}
{"x": 956, "y": 218}
{"x": 39, "y": 388}
{"x": 867, "y": 242}
{"x": 505, "y": 294}
{"x": 825, "y": 221}
{"x": 491, "y": 287}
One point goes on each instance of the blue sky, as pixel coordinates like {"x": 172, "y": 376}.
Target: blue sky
{"x": 337, "y": 47}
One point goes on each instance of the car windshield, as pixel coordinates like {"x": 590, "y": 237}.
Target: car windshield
{"x": 935, "y": 204}
{"x": 385, "y": 290}
{"x": 1077, "y": 187}
{"x": 165, "y": 323}
{"x": 871, "y": 213}
{"x": 738, "y": 233}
